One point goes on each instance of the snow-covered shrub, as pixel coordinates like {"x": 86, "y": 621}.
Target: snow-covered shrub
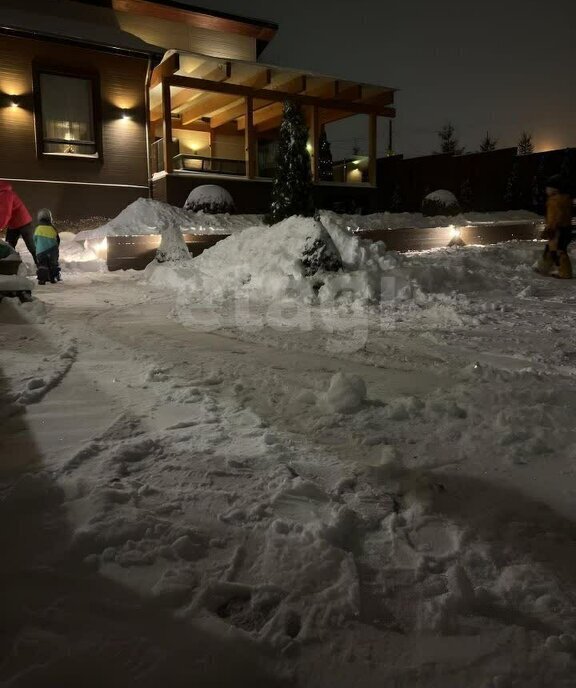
{"x": 210, "y": 198}
{"x": 172, "y": 246}
{"x": 320, "y": 254}
{"x": 441, "y": 202}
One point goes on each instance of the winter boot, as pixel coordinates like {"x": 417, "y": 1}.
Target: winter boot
{"x": 545, "y": 265}
{"x": 43, "y": 274}
{"x": 565, "y": 267}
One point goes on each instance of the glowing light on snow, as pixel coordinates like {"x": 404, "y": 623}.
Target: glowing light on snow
{"x": 100, "y": 248}
{"x": 454, "y": 232}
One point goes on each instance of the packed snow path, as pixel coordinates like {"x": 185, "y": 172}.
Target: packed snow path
{"x": 207, "y": 502}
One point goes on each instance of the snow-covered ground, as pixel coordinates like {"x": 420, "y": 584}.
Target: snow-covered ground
{"x": 271, "y": 490}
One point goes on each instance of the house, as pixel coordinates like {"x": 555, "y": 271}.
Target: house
{"x": 105, "y": 101}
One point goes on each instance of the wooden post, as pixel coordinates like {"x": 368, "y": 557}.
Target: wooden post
{"x": 167, "y": 127}
{"x": 249, "y": 138}
{"x": 372, "y": 148}
{"x": 315, "y": 133}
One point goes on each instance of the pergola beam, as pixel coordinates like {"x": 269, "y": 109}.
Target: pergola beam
{"x": 279, "y": 96}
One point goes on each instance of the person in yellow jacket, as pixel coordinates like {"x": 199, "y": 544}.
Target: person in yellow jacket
{"x": 556, "y": 261}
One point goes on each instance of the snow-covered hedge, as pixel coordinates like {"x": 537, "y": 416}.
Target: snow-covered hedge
{"x": 441, "y": 202}
{"x": 209, "y": 198}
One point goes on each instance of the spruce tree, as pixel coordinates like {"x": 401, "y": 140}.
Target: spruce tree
{"x": 488, "y": 144}
{"x": 449, "y": 144}
{"x": 396, "y": 202}
{"x": 292, "y": 188}
{"x": 525, "y": 145}
{"x": 512, "y": 194}
{"x": 466, "y": 196}
{"x": 568, "y": 170}
{"x": 325, "y": 162}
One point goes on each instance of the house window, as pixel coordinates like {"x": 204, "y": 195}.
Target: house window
{"x": 66, "y": 124}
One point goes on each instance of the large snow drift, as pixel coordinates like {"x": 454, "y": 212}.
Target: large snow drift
{"x": 270, "y": 263}
{"x": 147, "y": 216}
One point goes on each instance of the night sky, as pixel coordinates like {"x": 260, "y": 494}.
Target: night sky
{"x": 499, "y": 66}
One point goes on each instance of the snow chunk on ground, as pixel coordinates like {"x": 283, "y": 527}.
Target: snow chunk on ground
{"x": 347, "y": 393}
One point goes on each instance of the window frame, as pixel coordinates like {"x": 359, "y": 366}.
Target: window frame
{"x": 94, "y": 79}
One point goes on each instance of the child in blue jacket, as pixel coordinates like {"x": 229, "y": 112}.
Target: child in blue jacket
{"x": 47, "y": 241}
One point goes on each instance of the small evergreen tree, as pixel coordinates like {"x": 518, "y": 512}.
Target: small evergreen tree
{"x": 538, "y": 188}
{"x": 525, "y": 145}
{"x": 449, "y": 144}
{"x": 292, "y": 188}
{"x": 568, "y": 169}
{"x": 512, "y": 195}
{"x": 488, "y": 144}
{"x": 396, "y": 202}
{"x": 466, "y": 197}
{"x": 325, "y": 161}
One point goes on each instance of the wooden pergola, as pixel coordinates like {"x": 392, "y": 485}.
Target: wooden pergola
{"x": 193, "y": 92}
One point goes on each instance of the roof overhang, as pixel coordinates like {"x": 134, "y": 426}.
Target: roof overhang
{"x": 209, "y": 92}
{"x": 169, "y": 10}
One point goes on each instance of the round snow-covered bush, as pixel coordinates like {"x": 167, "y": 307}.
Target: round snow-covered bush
{"x": 210, "y": 198}
{"x": 440, "y": 202}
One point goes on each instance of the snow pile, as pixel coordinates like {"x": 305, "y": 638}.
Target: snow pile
{"x": 280, "y": 261}
{"x": 147, "y": 216}
{"x": 210, "y": 198}
{"x": 11, "y": 283}
{"x": 381, "y": 221}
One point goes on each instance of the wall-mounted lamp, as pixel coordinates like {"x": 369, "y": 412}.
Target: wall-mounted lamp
{"x": 126, "y": 114}
{"x": 10, "y": 100}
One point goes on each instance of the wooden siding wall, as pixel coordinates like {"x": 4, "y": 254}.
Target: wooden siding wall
{"x": 169, "y": 35}
{"x": 124, "y": 160}
{"x": 228, "y": 146}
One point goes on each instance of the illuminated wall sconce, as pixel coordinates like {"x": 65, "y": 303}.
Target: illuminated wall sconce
{"x": 125, "y": 114}
{"x": 9, "y": 100}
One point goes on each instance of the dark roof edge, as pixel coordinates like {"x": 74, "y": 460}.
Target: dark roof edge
{"x": 80, "y": 43}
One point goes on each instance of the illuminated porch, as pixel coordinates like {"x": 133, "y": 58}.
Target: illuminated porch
{"x": 214, "y": 117}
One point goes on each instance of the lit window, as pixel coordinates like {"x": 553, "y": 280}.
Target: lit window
{"x": 66, "y": 124}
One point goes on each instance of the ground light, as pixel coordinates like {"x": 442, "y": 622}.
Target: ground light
{"x": 455, "y": 234}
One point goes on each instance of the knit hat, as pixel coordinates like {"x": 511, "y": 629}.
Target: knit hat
{"x": 44, "y": 216}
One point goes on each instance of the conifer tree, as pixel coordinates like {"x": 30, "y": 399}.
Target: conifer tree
{"x": 525, "y": 145}
{"x": 449, "y": 144}
{"x": 396, "y": 202}
{"x": 292, "y": 188}
{"x": 488, "y": 144}
{"x": 325, "y": 161}
{"x": 512, "y": 194}
{"x": 466, "y": 196}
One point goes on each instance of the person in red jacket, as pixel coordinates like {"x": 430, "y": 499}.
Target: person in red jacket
{"x": 15, "y": 218}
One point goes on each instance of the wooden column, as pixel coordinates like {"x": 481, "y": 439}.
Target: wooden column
{"x": 250, "y": 148}
{"x": 372, "y": 148}
{"x": 315, "y": 135}
{"x": 167, "y": 127}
